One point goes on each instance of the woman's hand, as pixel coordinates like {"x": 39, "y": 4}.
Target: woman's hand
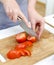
{"x": 13, "y": 10}
{"x": 36, "y": 20}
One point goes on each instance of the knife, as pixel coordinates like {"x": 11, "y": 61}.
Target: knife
{"x": 27, "y": 29}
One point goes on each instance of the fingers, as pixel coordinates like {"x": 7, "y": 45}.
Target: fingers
{"x": 13, "y": 15}
{"x": 40, "y": 29}
{"x": 9, "y": 12}
{"x": 33, "y": 24}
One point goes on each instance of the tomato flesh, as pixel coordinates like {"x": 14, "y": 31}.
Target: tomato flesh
{"x": 19, "y": 46}
{"x": 28, "y": 53}
{"x": 32, "y": 39}
{"x": 11, "y": 54}
{"x": 21, "y": 37}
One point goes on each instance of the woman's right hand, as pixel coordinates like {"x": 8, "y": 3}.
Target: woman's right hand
{"x": 13, "y": 10}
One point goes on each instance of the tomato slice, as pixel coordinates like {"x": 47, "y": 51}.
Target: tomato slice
{"x": 25, "y": 52}
{"x": 11, "y": 54}
{"x": 21, "y": 37}
{"x": 22, "y": 52}
{"x": 19, "y": 46}
{"x": 28, "y": 43}
{"x": 18, "y": 54}
{"x": 23, "y": 45}
{"x": 32, "y": 39}
{"x": 28, "y": 53}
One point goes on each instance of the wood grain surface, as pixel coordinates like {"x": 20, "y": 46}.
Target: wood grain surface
{"x": 39, "y": 50}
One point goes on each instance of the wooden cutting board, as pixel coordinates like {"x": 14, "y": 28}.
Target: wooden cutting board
{"x": 39, "y": 50}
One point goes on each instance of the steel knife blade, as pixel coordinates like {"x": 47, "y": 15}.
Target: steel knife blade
{"x": 27, "y": 29}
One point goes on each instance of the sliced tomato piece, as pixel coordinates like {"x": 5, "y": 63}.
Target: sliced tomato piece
{"x": 21, "y": 37}
{"x": 11, "y": 54}
{"x": 28, "y": 53}
{"x": 32, "y": 39}
{"x": 28, "y": 43}
{"x": 18, "y": 54}
{"x": 19, "y": 46}
{"x": 22, "y": 52}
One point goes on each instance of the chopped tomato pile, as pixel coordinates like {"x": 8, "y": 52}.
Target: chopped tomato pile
{"x": 20, "y": 49}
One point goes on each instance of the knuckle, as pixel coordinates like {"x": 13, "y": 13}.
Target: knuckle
{"x": 7, "y": 10}
{"x": 16, "y": 11}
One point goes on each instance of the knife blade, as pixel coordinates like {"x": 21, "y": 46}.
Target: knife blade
{"x": 27, "y": 29}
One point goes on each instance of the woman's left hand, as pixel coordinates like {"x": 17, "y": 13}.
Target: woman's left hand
{"x": 36, "y": 21}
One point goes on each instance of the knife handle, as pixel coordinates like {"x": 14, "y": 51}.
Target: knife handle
{"x": 19, "y": 18}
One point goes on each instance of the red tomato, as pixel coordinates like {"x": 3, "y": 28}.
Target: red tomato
{"x": 19, "y": 46}
{"x": 31, "y": 38}
{"x": 28, "y": 43}
{"x": 18, "y": 54}
{"x": 11, "y": 54}
{"x": 21, "y": 37}
{"x": 25, "y": 52}
{"x": 23, "y": 45}
{"x": 28, "y": 53}
{"x": 22, "y": 52}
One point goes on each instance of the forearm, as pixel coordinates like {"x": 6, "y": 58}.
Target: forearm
{"x": 32, "y": 3}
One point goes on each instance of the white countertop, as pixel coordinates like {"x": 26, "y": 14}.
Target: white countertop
{"x": 16, "y": 29}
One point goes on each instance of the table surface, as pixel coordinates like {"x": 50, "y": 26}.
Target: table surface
{"x": 14, "y": 30}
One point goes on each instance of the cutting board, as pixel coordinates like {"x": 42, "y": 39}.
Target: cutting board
{"x": 40, "y": 49}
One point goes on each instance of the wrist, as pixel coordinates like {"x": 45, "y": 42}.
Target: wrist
{"x": 31, "y": 3}
{"x": 31, "y": 8}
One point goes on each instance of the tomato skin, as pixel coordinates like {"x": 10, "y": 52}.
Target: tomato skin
{"x": 18, "y": 54}
{"x": 28, "y": 53}
{"x": 11, "y": 54}
{"x": 28, "y": 43}
{"x": 21, "y": 37}
{"x": 22, "y": 52}
{"x": 20, "y": 46}
{"x": 25, "y": 52}
{"x": 32, "y": 39}
{"x": 23, "y": 45}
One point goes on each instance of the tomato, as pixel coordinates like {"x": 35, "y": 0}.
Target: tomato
{"x": 28, "y": 43}
{"x": 11, "y": 54}
{"x": 23, "y": 45}
{"x": 25, "y": 52}
{"x": 22, "y": 52}
{"x": 21, "y": 37}
{"x": 28, "y": 53}
{"x": 19, "y": 46}
{"x": 18, "y": 54}
{"x": 31, "y": 38}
